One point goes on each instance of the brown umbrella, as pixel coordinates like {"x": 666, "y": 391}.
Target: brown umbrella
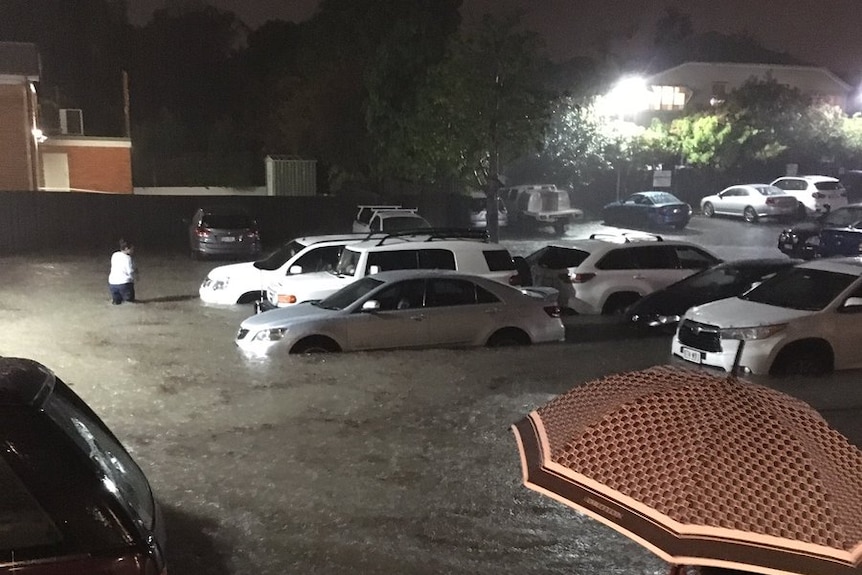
{"x": 702, "y": 470}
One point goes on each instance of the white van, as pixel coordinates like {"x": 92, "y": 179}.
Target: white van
{"x": 464, "y": 251}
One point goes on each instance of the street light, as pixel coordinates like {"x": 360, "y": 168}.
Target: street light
{"x": 628, "y": 97}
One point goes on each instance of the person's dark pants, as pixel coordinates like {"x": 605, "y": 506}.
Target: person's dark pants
{"x": 122, "y": 292}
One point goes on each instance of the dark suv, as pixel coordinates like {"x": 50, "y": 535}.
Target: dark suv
{"x": 838, "y": 232}
{"x": 73, "y": 499}
{"x": 224, "y": 232}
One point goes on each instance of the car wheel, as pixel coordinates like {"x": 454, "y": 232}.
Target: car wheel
{"x": 750, "y": 215}
{"x": 708, "y": 210}
{"x": 315, "y": 345}
{"x": 618, "y": 303}
{"x": 811, "y": 358}
{"x": 508, "y": 337}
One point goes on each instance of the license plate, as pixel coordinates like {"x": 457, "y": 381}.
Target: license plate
{"x": 228, "y": 239}
{"x": 691, "y": 355}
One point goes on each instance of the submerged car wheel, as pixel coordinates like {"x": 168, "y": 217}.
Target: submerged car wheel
{"x": 750, "y": 215}
{"x": 508, "y": 337}
{"x": 708, "y": 210}
{"x": 315, "y": 344}
{"x": 803, "y": 358}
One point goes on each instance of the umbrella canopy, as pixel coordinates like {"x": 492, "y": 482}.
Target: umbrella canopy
{"x": 702, "y": 470}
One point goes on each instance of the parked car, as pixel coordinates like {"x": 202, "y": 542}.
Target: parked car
{"x": 388, "y": 219}
{"x": 246, "y": 282}
{"x": 223, "y": 232}
{"x": 468, "y": 251}
{"x": 479, "y": 211}
{"x": 751, "y": 202}
{"x": 662, "y": 309}
{"x": 814, "y": 194}
{"x": 74, "y": 500}
{"x": 406, "y": 309}
{"x": 607, "y": 273}
{"x": 540, "y": 205}
{"x": 648, "y": 209}
{"x": 802, "y": 240}
{"x": 802, "y": 321}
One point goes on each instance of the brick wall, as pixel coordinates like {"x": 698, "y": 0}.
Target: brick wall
{"x": 96, "y": 164}
{"x": 15, "y": 139}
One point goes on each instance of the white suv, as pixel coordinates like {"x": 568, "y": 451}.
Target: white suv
{"x": 816, "y": 194}
{"x": 805, "y": 320}
{"x": 605, "y": 274}
{"x": 247, "y": 282}
{"x": 464, "y": 251}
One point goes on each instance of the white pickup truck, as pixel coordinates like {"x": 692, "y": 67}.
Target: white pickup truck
{"x": 387, "y": 218}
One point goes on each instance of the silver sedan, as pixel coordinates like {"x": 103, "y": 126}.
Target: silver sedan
{"x": 751, "y": 202}
{"x": 406, "y": 309}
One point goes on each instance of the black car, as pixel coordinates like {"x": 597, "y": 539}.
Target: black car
{"x": 73, "y": 499}
{"x": 648, "y": 209}
{"x": 661, "y": 310}
{"x": 803, "y": 240}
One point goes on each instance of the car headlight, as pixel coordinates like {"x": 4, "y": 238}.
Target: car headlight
{"x": 274, "y": 334}
{"x": 219, "y": 284}
{"x": 751, "y": 333}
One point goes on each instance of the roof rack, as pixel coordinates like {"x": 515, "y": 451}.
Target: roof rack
{"x": 439, "y": 234}
{"x": 627, "y": 237}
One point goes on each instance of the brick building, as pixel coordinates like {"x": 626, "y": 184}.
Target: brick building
{"x": 19, "y": 153}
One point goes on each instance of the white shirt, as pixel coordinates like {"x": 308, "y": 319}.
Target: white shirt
{"x": 122, "y": 269}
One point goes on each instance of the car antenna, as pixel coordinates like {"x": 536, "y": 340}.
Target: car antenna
{"x": 734, "y": 371}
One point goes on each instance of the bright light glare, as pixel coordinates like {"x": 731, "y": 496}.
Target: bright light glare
{"x": 629, "y": 96}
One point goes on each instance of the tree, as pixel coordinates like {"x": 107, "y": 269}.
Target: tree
{"x": 480, "y": 108}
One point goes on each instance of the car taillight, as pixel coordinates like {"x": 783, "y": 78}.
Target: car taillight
{"x": 282, "y": 298}
{"x": 202, "y": 232}
{"x": 553, "y": 310}
{"x": 581, "y": 278}
{"x": 818, "y": 195}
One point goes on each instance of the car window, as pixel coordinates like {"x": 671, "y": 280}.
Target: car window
{"x": 485, "y": 296}
{"x": 769, "y": 190}
{"x": 801, "y": 288}
{"x": 348, "y": 262}
{"x": 618, "y": 259}
{"x": 448, "y": 292}
{"x": 320, "y": 260}
{"x": 829, "y": 186}
{"x": 654, "y": 257}
{"x": 498, "y": 260}
{"x": 690, "y": 257}
{"x": 25, "y": 523}
{"x": 436, "y": 259}
{"x": 408, "y": 294}
{"x": 556, "y": 258}
{"x": 350, "y": 293}
{"x": 122, "y": 477}
{"x": 280, "y": 256}
{"x": 664, "y": 199}
{"x": 393, "y": 260}
{"x": 227, "y": 221}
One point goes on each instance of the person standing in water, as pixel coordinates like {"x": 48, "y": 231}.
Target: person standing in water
{"x": 121, "y": 279}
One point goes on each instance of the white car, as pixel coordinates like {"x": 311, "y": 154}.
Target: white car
{"x": 609, "y": 272}
{"x": 462, "y": 250}
{"x": 815, "y": 194}
{"x": 805, "y": 320}
{"x": 388, "y": 219}
{"x": 751, "y": 202}
{"x": 406, "y": 309}
{"x": 540, "y": 205}
{"x": 247, "y": 282}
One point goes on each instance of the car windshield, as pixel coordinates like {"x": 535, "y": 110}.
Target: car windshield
{"x": 280, "y": 256}
{"x": 801, "y": 288}
{"x": 349, "y": 294}
{"x": 347, "y": 263}
{"x": 843, "y": 217}
{"x": 227, "y": 221}
{"x": 717, "y": 276}
{"x": 828, "y": 186}
{"x": 769, "y": 190}
{"x": 664, "y": 198}
{"x": 402, "y": 223}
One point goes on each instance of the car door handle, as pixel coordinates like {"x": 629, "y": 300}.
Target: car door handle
{"x": 418, "y": 317}
{"x": 492, "y": 310}
{"x": 638, "y": 277}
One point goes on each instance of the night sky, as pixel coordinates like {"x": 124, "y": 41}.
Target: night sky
{"x": 825, "y": 33}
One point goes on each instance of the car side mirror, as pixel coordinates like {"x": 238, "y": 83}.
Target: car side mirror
{"x": 371, "y": 305}
{"x": 294, "y": 270}
{"x": 373, "y": 270}
{"x": 852, "y": 304}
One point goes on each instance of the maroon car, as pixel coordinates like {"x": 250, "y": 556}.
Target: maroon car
{"x": 72, "y": 499}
